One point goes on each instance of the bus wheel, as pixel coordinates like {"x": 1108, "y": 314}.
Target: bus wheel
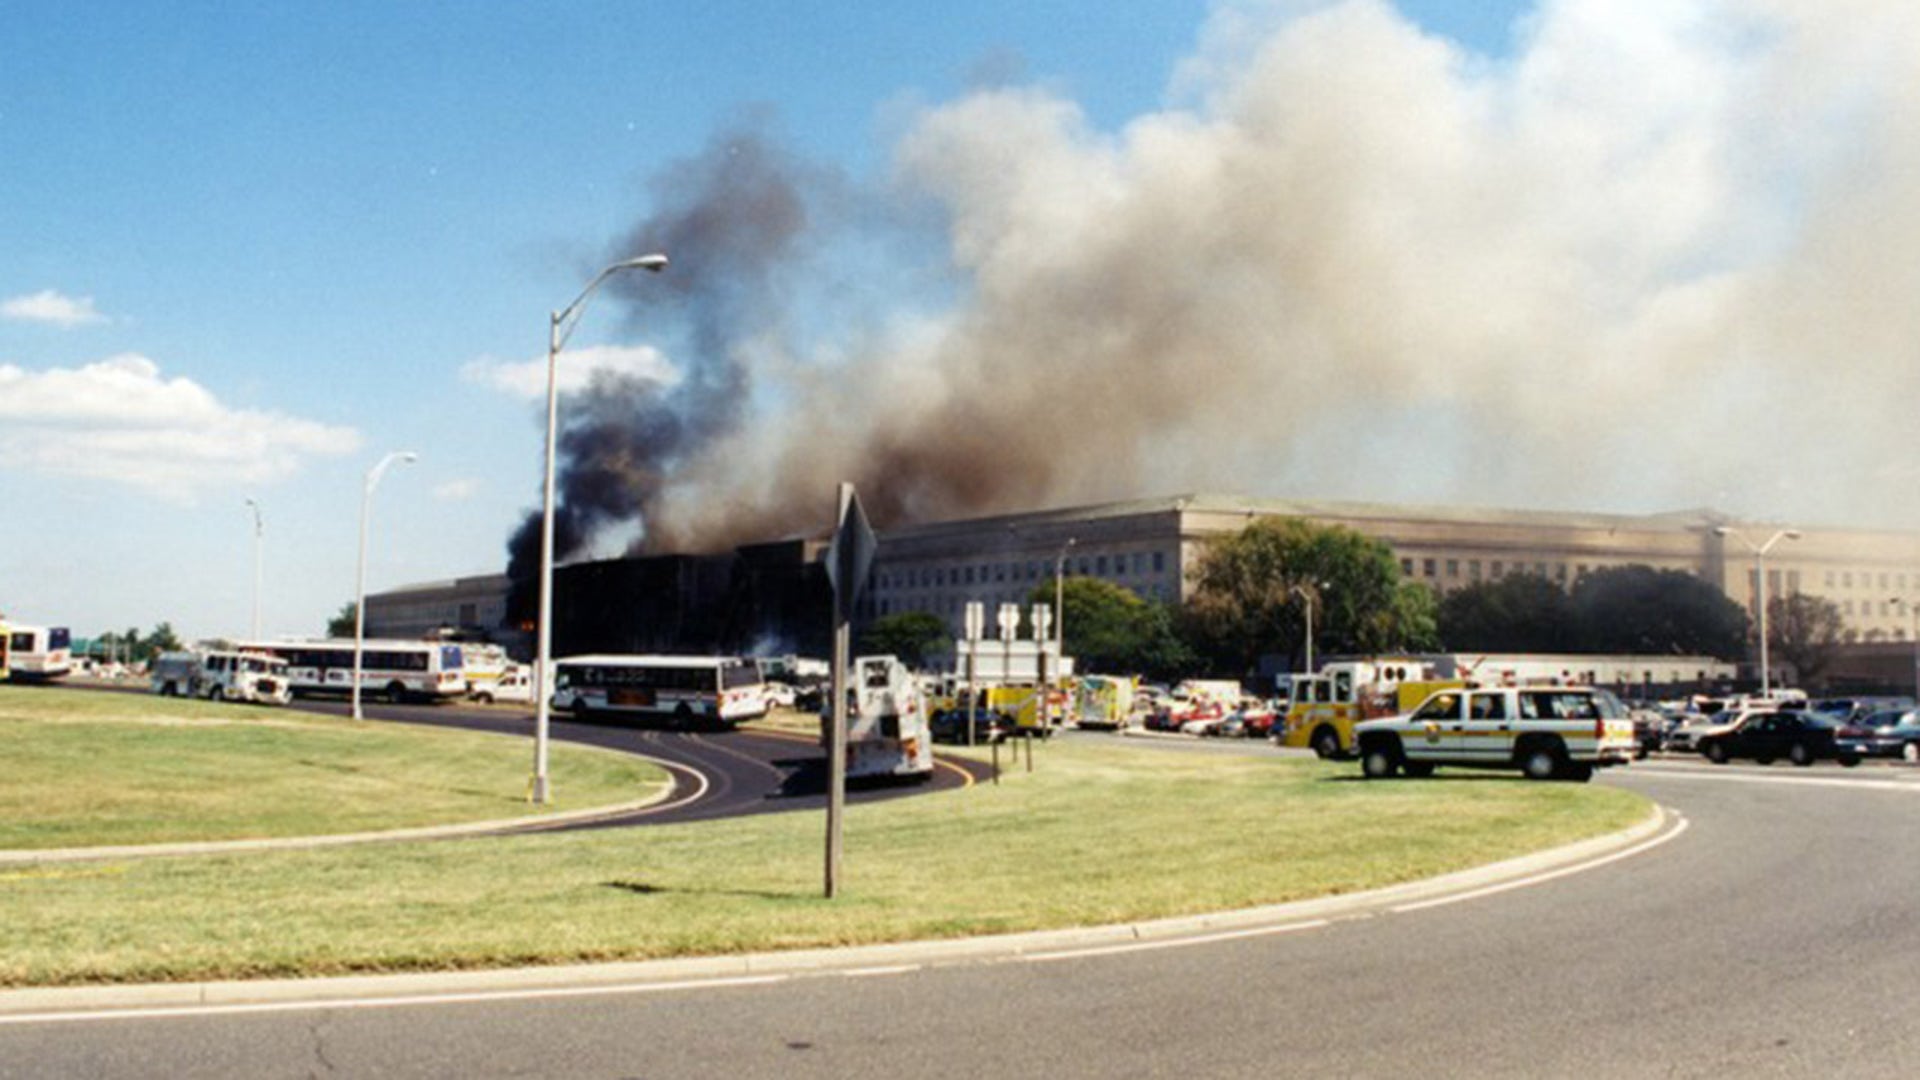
{"x": 396, "y": 693}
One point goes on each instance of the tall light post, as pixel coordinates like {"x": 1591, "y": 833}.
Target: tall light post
{"x": 559, "y": 328}
{"x": 360, "y": 580}
{"x": 1308, "y": 594}
{"x": 1760, "y": 588}
{"x": 1913, "y": 611}
{"x": 258, "y": 527}
{"x": 1060, "y": 615}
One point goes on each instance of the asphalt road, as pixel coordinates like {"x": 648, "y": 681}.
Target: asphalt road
{"x": 1776, "y": 935}
{"x": 744, "y": 771}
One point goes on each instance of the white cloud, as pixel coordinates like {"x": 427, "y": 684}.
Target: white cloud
{"x": 577, "y": 368}
{"x": 120, "y": 420}
{"x": 47, "y": 306}
{"x": 457, "y": 490}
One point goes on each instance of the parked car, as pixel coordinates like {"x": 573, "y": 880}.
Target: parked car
{"x": 1900, "y": 739}
{"x": 950, "y": 725}
{"x": 781, "y": 694}
{"x": 1765, "y": 735}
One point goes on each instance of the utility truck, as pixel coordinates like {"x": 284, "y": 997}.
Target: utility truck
{"x": 887, "y": 731}
{"x": 222, "y": 675}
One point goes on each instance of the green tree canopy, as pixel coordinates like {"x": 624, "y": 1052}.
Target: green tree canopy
{"x": 341, "y": 625}
{"x": 910, "y": 635}
{"x": 1251, "y": 592}
{"x": 1517, "y": 613}
{"x": 1638, "y": 609}
{"x": 1109, "y": 628}
{"x": 1804, "y": 631}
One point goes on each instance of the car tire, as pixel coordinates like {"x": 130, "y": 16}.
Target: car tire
{"x": 1848, "y": 761}
{"x": 1800, "y": 754}
{"x": 483, "y": 698}
{"x": 1541, "y": 763}
{"x": 1326, "y": 744}
{"x": 1715, "y": 753}
{"x": 1419, "y": 770}
{"x": 1379, "y": 763}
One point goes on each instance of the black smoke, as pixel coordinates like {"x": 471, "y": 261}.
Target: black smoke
{"x": 731, "y": 220}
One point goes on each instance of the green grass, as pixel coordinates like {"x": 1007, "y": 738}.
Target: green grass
{"x": 1100, "y": 832}
{"x": 89, "y": 769}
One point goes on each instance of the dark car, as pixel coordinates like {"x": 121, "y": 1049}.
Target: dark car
{"x": 1764, "y": 736}
{"x": 950, "y": 725}
{"x": 1900, "y": 739}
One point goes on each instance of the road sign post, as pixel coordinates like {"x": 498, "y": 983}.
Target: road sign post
{"x": 848, "y": 560}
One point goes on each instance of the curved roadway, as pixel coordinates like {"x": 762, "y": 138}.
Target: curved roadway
{"x": 1776, "y": 935}
{"x": 717, "y": 774}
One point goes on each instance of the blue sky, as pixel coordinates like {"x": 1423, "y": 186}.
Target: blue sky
{"x": 252, "y": 248}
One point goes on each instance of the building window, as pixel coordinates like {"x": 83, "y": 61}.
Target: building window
{"x": 1100, "y": 566}
{"x": 1159, "y": 561}
{"x": 1453, "y": 568}
{"x": 1846, "y": 580}
{"x": 1406, "y": 567}
{"x": 1427, "y": 567}
{"x": 1473, "y": 569}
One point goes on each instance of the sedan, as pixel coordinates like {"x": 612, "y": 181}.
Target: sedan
{"x": 1764, "y": 736}
{"x": 1902, "y": 740}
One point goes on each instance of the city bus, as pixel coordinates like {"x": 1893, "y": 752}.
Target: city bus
{"x": 396, "y": 670}
{"x": 688, "y": 690}
{"x": 37, "y": 653}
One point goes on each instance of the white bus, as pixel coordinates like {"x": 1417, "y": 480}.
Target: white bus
{"x": 397, "y": 670}
{"x": 37, "y": 653}
{"x": 689, "y": 690}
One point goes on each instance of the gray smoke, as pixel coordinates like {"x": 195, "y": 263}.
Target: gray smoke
{"x": 1658, "y": 257}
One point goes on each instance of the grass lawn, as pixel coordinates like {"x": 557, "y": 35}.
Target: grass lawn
{"x": 1100, "y": 832}
{"x": 87, "y": 769}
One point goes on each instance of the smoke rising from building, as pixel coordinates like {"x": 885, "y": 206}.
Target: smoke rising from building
{"x": 1659, "y": 256}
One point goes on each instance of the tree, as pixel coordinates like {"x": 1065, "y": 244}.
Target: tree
{"x": 1110, "y": 628}
{"x": 1638, "y": 609}
{"x": 909, "y": 635}
{"x": 1252, "y": 589}
{"x": 162, "y": 639}
{"x": 1517, "y": 613}
{"x": 1804, "y": 631}
{"x": 342, "y": 624}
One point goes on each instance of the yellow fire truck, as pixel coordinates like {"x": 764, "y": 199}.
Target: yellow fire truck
{"x": 1324, "y": 706}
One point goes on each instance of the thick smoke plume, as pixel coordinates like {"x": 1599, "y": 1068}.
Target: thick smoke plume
{"x": 1659, "y": 256}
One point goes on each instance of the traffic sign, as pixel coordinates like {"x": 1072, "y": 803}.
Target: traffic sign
{"x": 850, "y": 556}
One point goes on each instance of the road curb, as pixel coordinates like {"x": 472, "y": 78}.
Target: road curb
{"x": 75, "y": 1002}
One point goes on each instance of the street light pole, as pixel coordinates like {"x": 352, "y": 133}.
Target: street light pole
{"x": 257, "y": 529}
{"x": 560, "y": 326}
{"x": 1760, "y": 589}
{"x": 1060, "y": 615}
{"x": 360, "y": 581}
{"x": 1307, "y": 594}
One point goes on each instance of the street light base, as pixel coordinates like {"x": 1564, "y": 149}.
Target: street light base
{"x": 537, "y": 792}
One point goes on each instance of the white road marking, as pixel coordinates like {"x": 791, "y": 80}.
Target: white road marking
{"x": 1172, "y": 943}
{"x": 1536, "y": 879}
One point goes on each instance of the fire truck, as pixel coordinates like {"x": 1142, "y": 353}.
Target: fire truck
{"x": 887, "y": 733}
{"x": 1324, "y": 706}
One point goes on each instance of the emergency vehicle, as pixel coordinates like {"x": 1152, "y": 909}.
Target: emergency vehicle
{"x": 1547, "y": 732}
{"x": 1322, "y": 708}
{"x": 1102, "y": 701}
{"x": 222, "y": 675}
{"x": 887, "y": 731}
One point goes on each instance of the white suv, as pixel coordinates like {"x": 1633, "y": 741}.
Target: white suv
{"x": 1547, "y": 732}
